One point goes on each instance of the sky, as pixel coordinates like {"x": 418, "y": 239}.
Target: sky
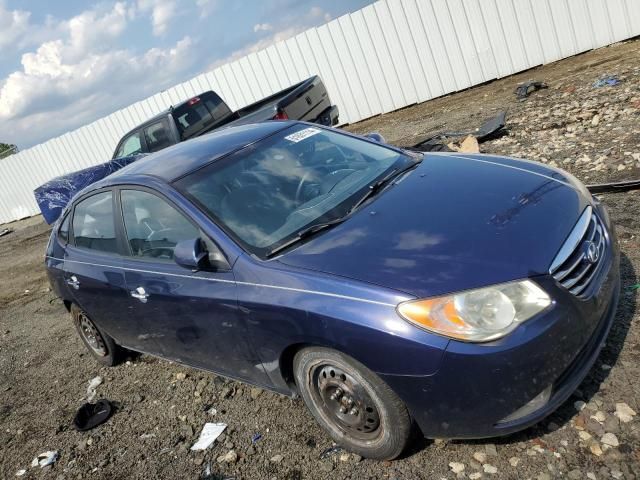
{"x": 66, "y": 64}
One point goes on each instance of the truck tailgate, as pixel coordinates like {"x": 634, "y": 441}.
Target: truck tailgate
{"x": 307, "y": 101}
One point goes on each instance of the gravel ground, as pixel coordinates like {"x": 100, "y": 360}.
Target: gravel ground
{"x": 161, "y": 407}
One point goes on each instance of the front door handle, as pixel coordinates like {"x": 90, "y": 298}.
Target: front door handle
{"x": 141, "y": 294}
{"x": 73, "y": 282}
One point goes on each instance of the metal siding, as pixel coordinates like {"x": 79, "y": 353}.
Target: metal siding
{"x": 385, "y": 56}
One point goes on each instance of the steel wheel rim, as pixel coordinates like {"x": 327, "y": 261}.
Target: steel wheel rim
{"x": 344, "y": 401}
{"x": 91, "y": 335}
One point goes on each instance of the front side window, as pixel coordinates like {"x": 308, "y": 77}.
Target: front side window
{"x": 269, "y": 191}
{"x": 130, "y": 146}
{"x": 152, "y": 225}
{"x": 93, "y": 223}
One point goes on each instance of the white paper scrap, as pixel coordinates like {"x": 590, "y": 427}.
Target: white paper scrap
{"x": 209, "y": 433}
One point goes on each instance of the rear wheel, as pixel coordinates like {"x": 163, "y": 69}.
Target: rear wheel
{"x": 352, "y": 403}
{"x": 100, "y": 345}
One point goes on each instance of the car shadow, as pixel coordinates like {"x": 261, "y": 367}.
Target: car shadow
{"x": 597, "y": 375}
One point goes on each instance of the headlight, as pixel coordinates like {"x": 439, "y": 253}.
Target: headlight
{"x": 478, "y": 315}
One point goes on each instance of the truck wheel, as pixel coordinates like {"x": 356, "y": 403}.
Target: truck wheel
{"x": 352, "y": 403}
{"x": 100, "y": 345}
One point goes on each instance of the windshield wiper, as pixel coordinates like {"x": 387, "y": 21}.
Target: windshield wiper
{"x": 380, "y": 184}
{"x": 306, "y": 232}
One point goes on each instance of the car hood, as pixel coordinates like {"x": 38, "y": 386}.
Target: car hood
{"x": 455, "y": 222}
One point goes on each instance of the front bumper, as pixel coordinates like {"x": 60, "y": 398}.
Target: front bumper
{"x": 478, "y": 385}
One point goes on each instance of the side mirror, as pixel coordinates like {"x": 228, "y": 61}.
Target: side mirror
{"x": 193, "y": 254}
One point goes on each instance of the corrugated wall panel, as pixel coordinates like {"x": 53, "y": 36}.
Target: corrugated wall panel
{"x": 388, "y": 55}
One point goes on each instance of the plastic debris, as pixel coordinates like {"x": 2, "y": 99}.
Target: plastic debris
{"x": 90, "y": 415}
{"x": 623, "y": 186}
{"x": 525, "y": 89}
{"x": 256, "y": 437}
{"x": 209, "y": 433}
{"x": 5, "y": 231}
{"x": 91, "y": 389}
{"x": 608, "y": 81}
{"x": 20, "y": 473}
{"x": 45, "y": 459}
{"x": 330, "y": 451}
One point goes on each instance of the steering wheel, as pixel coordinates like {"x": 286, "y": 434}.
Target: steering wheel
{"x": 301, "y": 183}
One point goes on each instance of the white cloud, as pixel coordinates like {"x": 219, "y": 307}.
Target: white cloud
{"x": 14, "y": 25}
{"x": 206, "y": 7}
{"x": 264, "y": 27}
{"x": 162, "y": 12}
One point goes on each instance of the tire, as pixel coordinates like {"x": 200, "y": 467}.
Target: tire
{"x": 378, "y": 428}
{"x": 100, "y": 345}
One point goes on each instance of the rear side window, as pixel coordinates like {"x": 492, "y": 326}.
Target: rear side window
{"x": 130, "y": 146}
{"x": 199, "y": 113}
{"x": 157, "y": 137}
{"x": 63, "y": 232}
{"x": 93, "y": 223}
{"x": 153, "y": 226}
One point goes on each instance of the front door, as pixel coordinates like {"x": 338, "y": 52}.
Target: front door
{"x": 93, "y": 266}
{"x": 193, "y": 317}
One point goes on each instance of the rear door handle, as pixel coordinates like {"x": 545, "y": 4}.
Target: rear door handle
{"x": 141, "y": 294}
{"x": 73, "y": 282}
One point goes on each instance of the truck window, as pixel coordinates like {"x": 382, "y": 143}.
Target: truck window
{"x": 130, "y": 146}
{"x": 157, "y": 137}
{"x": 198, "y": 113}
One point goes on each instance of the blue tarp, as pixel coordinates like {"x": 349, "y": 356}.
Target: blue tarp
{"x": 54, "y": 195}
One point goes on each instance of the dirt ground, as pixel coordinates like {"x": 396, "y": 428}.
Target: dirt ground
{"x": 44, "y": 369}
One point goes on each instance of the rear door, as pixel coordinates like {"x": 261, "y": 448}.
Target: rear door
{"x": 193, "y": 317}
{"x": 93, "y": 265}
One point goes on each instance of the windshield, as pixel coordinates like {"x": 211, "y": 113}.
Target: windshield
{"x": 199, "y": 113}
{"x": 266, "y": 193}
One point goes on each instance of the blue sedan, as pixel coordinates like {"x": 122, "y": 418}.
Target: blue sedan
{"x": 463, "y": 295}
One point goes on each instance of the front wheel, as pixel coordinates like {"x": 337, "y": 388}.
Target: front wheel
{"x": 100, "y": 345}
{"x": 352, "y": 403}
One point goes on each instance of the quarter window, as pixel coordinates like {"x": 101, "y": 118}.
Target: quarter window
{"x": 153, "y": 226}
{"x": 63, "y": 232}
{"x": 93, "y": 225}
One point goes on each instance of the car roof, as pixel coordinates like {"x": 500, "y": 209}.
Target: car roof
{"x": 178, "y": 160}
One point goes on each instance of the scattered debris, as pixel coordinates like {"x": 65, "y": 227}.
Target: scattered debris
{"x": 624, "y": 412}
{"x": 209, "y": 433}
{"x": 5, "y": 231}
{"x": 212, "y": 411}
{"x": 514, "y": 461}
{"x": 579, "y": 405}
{"x": 610, "y": 439}
{"x": 256, "y": 437}
{"x": 277, "y": 458}
{"x": 181, "y": 376}
{"x": 480, "y": 457}
{"x": 456, "y": 467}
{"x": 90, "y": 415}
{"x": 255, "y": 393}
{"x": 523, "y": 90}
{"x": 91, "y": 389}
{"x": 488, "y": 468}
{"x": 330, "y": 451}
{"x": 20, "y": 473}
{"x": 468, "y": 145}
{"x": 608, "y": 81}
{"x": 45, "y": 459}
{"x": 230, "y": 457}
{"x": 635, "y": 287}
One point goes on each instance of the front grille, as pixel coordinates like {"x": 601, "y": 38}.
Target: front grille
{"x": 580, "y": 257}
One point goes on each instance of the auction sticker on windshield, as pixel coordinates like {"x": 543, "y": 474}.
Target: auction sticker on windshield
{"x": 302, "y": 134}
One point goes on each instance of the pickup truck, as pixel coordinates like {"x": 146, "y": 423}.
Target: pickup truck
{"x": 307, "y": 100}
